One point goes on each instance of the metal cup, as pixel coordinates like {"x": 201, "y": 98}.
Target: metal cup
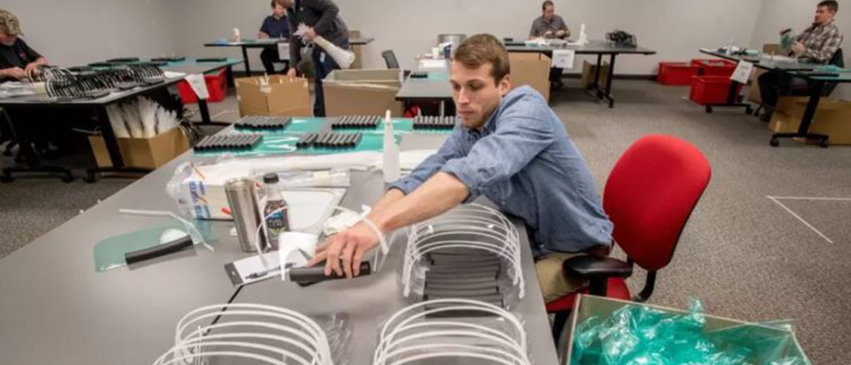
{"x": 242, "y": 199}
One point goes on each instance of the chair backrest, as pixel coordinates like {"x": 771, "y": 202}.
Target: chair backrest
{"x": 390, "y": 60}
{"x": 650, "y": 194}
{"x": 838, "y": 59}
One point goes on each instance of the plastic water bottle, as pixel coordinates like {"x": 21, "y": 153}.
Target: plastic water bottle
{"x": 391, "y": 152}
{"x": 277, "y": 221}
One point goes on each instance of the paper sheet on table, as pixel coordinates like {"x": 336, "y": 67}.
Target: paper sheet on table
{"x": 284, "y": 51}
{"x": 433, "y": 64}
{"x": 743, "y": 71}
{"x": 563, "y": 58}
{"x": 173, "y": 74}
{"x": 199, "y": 86}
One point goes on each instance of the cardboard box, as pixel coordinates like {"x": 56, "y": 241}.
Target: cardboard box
{"x": 283, "y": 96}
{"x": 531, "y": 68}
{"x": 833, "y": 118}
{"x": 142, "y": 153}
{"x": 589, "y": 71}
{"x": 362, "y": 92}
{"x": 786, "y": 345}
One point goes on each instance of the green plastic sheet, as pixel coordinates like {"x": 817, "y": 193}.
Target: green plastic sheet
{"x": 109, "y": 253}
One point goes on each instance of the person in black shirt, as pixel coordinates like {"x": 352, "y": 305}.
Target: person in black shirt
{"x": 321, "y": 17}
{"x": 274, "y": 26}
{"x": 16, "y": 57}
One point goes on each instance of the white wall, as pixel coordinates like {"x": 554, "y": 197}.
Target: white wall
{"x": 776, "y": 15}
{"x": 81, "y": 31}
{"x": 676, "y": 29}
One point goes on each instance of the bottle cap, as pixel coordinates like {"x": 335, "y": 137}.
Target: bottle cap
{"x": 270, "y": 178}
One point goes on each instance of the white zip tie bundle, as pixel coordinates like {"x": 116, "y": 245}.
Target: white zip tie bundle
{"x": 481, "y": 227}
{"x": 289, "y": 337}
{"x": 409, "y": 336}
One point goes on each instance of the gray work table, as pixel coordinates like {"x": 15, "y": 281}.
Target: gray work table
{"x": 56, "y": 309}
{"x": 433, "y": 88}
{"x": 247, "y": 43}
{"x": 368, "y": 301}
{"x": 598, "y": 48}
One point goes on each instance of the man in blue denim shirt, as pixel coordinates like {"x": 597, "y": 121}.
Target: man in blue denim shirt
{"x": 511, "y": 148}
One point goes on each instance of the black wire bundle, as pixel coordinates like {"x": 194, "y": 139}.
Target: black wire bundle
{"x": 97, "y": 83}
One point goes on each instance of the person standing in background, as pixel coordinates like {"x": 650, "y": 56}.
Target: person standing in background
{"x": 322, "y": 19}
{"x": 274, "y": 26}
{"x": 550, "y": 26}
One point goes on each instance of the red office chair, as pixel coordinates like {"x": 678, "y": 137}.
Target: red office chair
{"x": 649, "y": 196}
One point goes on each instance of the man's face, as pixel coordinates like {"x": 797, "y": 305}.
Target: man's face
{"x": 278, "y": 11}
{"x": 549, "y": 12}
{"x": 6, "y": 39}
{"x": 475, "y": 93}
{"x": 823, "y": 15}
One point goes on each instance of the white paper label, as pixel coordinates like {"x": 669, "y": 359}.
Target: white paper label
{"x": 563, "y": 58}
{"x": 283, "y": 51}
{"x": 743, "y": 72}
{"x": 199, "y": 86}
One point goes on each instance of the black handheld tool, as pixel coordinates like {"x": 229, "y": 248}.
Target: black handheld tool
{"x": 158, "y": 250}
{"x": 305, "y": 276}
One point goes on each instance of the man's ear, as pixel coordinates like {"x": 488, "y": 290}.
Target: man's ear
{"x": 505, "y": 85}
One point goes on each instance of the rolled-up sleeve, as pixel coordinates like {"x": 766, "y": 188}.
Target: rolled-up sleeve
{"x": 499, "y": 156}
{"x": 431, "y": 165}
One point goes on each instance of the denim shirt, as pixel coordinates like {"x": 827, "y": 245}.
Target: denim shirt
{"x": 523, "y": 161}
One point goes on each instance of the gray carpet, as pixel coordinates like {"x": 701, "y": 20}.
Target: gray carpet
{"x": 742, "y": 255}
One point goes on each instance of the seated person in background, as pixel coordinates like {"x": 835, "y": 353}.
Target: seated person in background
{"x": 274, "y": 26}
{"x": 549, "y": 25}
{"x": 510, "y": 147}
{"x": 817, "y": 44}
{"x": 16, "y": 57}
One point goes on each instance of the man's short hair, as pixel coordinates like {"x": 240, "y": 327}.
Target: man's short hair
{"x": 482, "y": 49}
{"x": 550, "y": 3}
{"x": 831, "y": 5}
{"x": 274, "y": 3}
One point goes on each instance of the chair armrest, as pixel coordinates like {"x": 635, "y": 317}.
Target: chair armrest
{"x": 592, "y": 267}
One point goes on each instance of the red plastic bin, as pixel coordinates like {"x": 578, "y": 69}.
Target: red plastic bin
{"x": 706, "y": 90}
{"x": 676, "y": 73}
{"x": 714, "y": 67}
{"x": 216, "y": 86}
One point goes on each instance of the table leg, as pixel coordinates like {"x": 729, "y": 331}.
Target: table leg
{"x": 596, "y": 85}
{"x": 608, "y": 94}
{"x": 245, "y": 59}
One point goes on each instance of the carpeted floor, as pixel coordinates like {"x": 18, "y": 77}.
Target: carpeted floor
{"x": 743, "y": 255}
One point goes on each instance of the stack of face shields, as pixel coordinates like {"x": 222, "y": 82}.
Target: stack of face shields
{"x": 259, "y": 334}
{"x": 471, "y": 252}
{"x": 452, "y": 331}
{"x": 638, "y": 334}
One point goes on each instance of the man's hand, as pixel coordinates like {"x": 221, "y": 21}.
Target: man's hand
{"x": 309, "y": 34}
{"x": 16, "y": 72}
{"x": 561, "y": 34}
{"x": 262, "y": 35}
{"x": 291, "y": 72}
{"x": 33, "y": 66}
{"x": 799, "y": 48}
{"x": 348, "y": 246}
{"x": 548, "y": 34}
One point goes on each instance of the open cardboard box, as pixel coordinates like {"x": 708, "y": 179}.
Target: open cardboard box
{"x": 833, "y": 118}
{"x": 588, "y": 306}
{"x": 142, "y": 153}
{"x": 531, "y": 68}
{"x": 284, "y": 96}
{"x": 362, "y": 92}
